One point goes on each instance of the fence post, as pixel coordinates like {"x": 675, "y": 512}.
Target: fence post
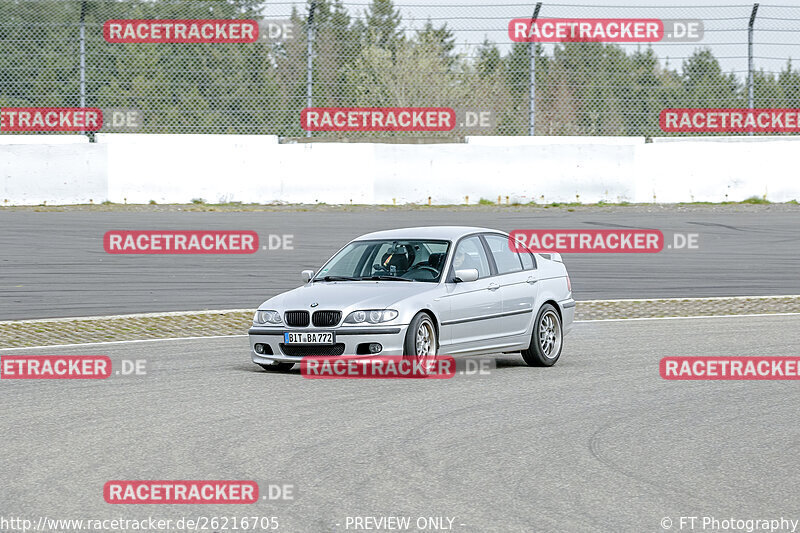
{"x": 310, "y": 58}
{"x": 82, "y": 55}
{"x": 532, "y": 118}
{"x": 750, "y": 58}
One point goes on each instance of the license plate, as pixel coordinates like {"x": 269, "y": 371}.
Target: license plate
{"x": 306, "y": 337}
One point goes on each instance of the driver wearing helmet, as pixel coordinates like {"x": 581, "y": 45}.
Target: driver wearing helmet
{"x": 398, "y": 259}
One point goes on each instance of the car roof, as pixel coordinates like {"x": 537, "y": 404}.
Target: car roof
{"x": 446, "y": 233}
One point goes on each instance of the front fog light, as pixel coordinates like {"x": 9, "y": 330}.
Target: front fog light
{"x": 259, "y": 348}
{"x": 374, "y": 347}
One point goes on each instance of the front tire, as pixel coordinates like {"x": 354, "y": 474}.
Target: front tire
{"x": 546, "y": 340}
{"x": 278, "y": 367}
{"x": 421, "y": 342}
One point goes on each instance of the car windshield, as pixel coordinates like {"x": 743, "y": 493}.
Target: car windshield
{"x": 390, "y": 260}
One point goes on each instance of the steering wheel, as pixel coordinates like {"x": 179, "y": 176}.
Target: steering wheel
{"x": 380, "y": 267}
{"x": 425, "y": 267}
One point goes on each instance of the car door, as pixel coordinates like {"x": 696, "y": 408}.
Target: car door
{"x": 473, "y": 310}
{"x": 518, "y": 286}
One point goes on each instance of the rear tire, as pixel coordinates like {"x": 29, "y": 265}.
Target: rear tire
{"x": 278, "y": 367}
{"x": 546, "y": 340}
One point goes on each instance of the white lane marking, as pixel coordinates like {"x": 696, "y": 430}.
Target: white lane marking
{"x": 122, "y": 342}
{"x": 243, "y": 335}
{"x": 681, "y": 317}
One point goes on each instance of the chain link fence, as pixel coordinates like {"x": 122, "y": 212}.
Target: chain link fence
{"x": 337, "y": 53}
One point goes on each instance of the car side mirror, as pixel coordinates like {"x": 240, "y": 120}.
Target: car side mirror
{"x": 466, "y": 275}
{"x": 307, "y": 275}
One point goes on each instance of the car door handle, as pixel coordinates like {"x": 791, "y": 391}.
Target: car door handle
{"x": 531, "y": 280}
{"x": 493, "y": 286}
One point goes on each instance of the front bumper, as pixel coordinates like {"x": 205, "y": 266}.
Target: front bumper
{"x": 392, "y": 338}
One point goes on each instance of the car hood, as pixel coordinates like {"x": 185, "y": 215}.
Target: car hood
{"x": 347, "y": 295}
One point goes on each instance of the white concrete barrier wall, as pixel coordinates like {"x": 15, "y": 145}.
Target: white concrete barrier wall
{"x": 248, "y": 168}
{"x": 523, "y": 172}
{"x": 33, "y": 174}
{"x": 725, "y": 170}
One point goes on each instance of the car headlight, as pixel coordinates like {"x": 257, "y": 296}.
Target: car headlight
{"x": 267, "y": 317}
{"x": 371, "y": 316}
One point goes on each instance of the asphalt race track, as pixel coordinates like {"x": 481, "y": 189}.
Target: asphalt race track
{"x": 52, "y": 264}
{"x": 597, "y": 443}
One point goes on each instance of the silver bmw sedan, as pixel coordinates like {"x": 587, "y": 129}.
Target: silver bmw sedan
{"x": 419, "y": 292}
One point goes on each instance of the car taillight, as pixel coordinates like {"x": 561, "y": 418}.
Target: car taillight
{"x": 569, "y": 284}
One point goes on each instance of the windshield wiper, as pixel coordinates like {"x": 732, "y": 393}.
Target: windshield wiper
{"x": 386, "y": 278}
{"x": 363, "y": 278}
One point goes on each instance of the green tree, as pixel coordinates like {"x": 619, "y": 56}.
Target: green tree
{"x": 488, "y": 59}
{"x": 382, "y": 25}
{"x": 705, "y": 85}
{"x": 789, "y": 83}
{"x": 440, "y": 38}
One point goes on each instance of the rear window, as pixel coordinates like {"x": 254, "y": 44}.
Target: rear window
{"x": 527, "y": 260}
{"x": 506, "y": 260}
